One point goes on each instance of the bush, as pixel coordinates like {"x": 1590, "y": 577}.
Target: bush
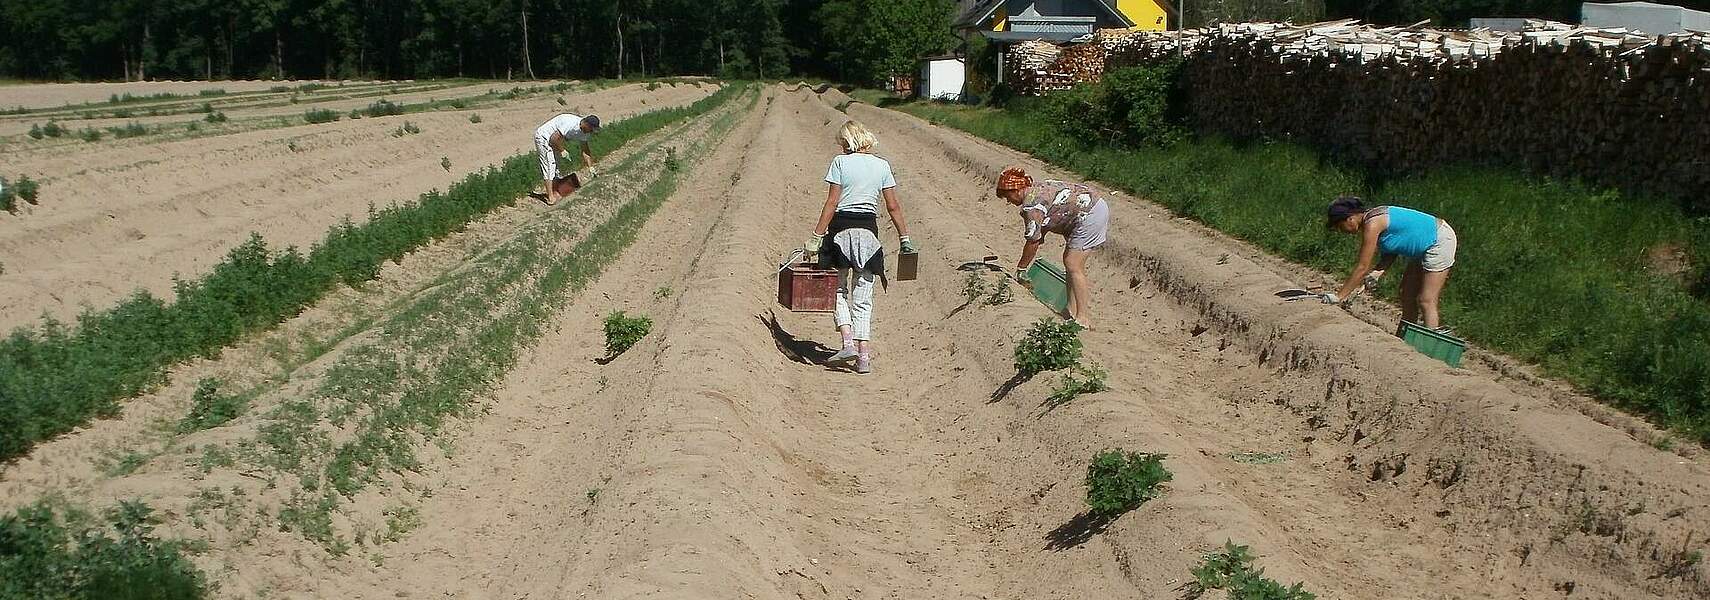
{"x": 475, "y": 118}
{"x": 36, "y": 131}
{"x": 8, "y": 197}
{"x": 407, "y": 128}
{"x": 382, "y": 108}
{"x": 1130, "y": 106}
{"x": 130, "y": 130}
{"x": 43, "y": 555}
{"x": 211, "y": 92}
{"x": 215, "y": 117}
{"x": 320, "y": 115}
{"x": 209, "y": 408}
{"x": 623, "y": 331}
{"x": 89, "y": 135}
{"x": 27, "y": 188}
{"x": 52, "y": 130}
{"x": 1050, "y": 345}
{"x": 1118, "y": 481}
{"x": 205, "y": 108}
{"x": 1080, "y": 380}
{"x": 1232, "y": 569}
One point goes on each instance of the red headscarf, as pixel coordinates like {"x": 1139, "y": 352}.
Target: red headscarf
{"x": 1014, "y": 178}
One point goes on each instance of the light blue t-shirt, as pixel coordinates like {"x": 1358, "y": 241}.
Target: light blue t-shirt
{"x": 863, "y": 176}
{"x": 1410, "y": 232}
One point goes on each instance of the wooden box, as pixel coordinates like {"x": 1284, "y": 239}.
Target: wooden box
{"x": 908, "y": 266}
{"x": 804, "y": 287}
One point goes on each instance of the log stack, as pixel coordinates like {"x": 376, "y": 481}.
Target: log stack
{"x": 1609, "y": 106}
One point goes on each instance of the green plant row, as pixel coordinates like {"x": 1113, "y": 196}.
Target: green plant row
{"x": 48, "y": 554}
{"x": 58, "y": 376}
{"x": 1550, "y": 272}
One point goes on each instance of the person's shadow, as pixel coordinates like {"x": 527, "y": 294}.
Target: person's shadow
{"x": 806, "y": 352}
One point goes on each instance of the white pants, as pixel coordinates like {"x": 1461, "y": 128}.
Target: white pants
{"x": 855, "y": 302}
{"x": 548, "y": 157}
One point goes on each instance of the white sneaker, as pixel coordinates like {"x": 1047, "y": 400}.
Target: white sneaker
{"x": 845, "y": 355}
{"x": 864, "y": 365}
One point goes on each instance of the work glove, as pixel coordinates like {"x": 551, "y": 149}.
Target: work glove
{"x": 1021, "y": 276}
{"x": 593, "y": 172}
{"x": 813, "y": 243}
{"x": 908, "y": 246}
{"x": 1372, "y": 278}
{"x": 1330, "y": 298}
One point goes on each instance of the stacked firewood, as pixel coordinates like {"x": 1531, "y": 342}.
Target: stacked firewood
{"x": 1609, "y": 106}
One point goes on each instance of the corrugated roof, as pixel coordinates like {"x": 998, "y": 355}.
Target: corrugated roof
{"x": 973, "y": 13}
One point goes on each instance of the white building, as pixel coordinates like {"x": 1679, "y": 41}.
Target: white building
{"x": 1651, "y": 18}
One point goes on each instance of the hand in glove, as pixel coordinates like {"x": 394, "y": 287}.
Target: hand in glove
{"x": 1021, "y": 276}
{"x": 908, "y": 246}
{"x": 813, "y": 243}
{"x": 593, "y": 172}
{"x": 1330, "y": 298}
{"x": 1372, "y": 278}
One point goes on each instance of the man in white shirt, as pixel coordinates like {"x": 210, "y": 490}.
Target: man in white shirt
{"x": 549, "y": 141}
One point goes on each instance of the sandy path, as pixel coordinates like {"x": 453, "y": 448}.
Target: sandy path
{"x": 708, "y": 463}
{"x": 124, "y": 216}
{"x": 48, "y": 95}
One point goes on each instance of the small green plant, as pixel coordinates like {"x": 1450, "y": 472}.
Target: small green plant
{"x": 1050, "y": 345}
{"x": 1232, "y": 569}
{"x": 662, "y": 293}
{"x": 129, "y": 130}
{"x": 193, "y": 127}
{"x": 593, "y": 494}
{"x": 671, "y": 162}
{"x": 215, "y": 117}
{"x": 320, "y": 115}
{"x": 475, "y": 118}
{"x": 401, "y": 521}
{"x": 561, "y": 101}
{"x": 211, "y": 92}
{"x": 407, "y": 128}
{"x": 205, "y": 108}
{"x": 36, "y": 131}
{"x": 51, "y": 129}
{"x": 383, "y": 108}
{"x": 123, "y": 113}
{"x": 624, "y": 331}
{"x": 8, "y": 196}
{"x": 973, "y": 286}
{"x": 1119, "y": 481}
{"x": 1081, "y": 379}
{"x": 89, "y": 135}
{"x": 210, "y": 408}
{"x": 445, "y": 163}
{"x": 27, "y": 188}
{"x": 652, "y": 85}
{"x": 1001, "y": 293}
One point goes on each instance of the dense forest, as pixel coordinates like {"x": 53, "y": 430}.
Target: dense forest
{"x": 851, "y": 40}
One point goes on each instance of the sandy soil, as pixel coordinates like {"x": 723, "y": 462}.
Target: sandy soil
{"x": 48, "y": 95}
{"x": 130, "y": 214}
{"x": 716, "y": 459}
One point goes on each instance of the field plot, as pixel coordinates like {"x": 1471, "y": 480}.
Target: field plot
{"x": 459, "y": 426}
{"x": 127, "y": 214}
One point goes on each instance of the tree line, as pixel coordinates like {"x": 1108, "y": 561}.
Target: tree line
{"x": 860, "y": 41}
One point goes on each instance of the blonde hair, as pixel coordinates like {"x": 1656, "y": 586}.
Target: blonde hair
{"x": 856, "y": 138}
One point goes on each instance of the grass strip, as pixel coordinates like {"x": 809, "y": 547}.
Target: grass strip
{"x": 58, "y": 376}
{"x": 1555, "y": 273}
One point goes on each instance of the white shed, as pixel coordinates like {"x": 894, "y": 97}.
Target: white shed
{"x": 1651, "y": 18}
{"x": 942, "y": 77}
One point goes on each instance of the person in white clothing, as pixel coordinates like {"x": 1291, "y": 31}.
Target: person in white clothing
{"x": 549, "y": 140}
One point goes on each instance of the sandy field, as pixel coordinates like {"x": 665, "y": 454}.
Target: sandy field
{"x": 718, "y": 459}
{"x": 48, "y": 95}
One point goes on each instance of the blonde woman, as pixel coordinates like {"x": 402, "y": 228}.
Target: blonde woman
{"x": 850, "y": 219}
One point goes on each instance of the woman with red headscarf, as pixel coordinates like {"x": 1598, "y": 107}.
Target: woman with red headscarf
{"x": 1072, "y": 210}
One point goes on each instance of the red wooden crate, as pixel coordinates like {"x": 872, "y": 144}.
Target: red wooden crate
{"x": 804, "y": 287}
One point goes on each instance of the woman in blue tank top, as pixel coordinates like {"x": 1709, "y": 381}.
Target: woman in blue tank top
{"x": 1427, "y": 242}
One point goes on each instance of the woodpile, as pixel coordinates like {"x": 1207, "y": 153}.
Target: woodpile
{"x": 1607, "y": 106}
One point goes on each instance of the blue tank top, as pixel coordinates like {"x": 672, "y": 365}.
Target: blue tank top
{"x": 1410, "y": 232}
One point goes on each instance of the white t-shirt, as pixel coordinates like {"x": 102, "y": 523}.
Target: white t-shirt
{"x": 863, "y": 176}
{"x": 567, "y": 125}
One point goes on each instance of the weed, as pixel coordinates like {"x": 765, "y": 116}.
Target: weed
{"x": 89, "y": 135}
{"x": 123, "y": 114}
{"x": 294, "y": 99}
{"x": 401, "y": 521}
{"x": 44, "y": 554}
{"x": 211, "y": 92}
{"x": 662, "y": 293}
{"x": 27, "y": 189}
{"x": 216, "y": 457}
{"x": 215, "y": 117}
{"x": 51, "y": 129}
{"x": 561, "y": 101}
{"x": 407, "y": 128}
{"x": 671, "y": 161}
{"x": 973, "y": 286}
{"x": 652, "y": 85}
{"x": 1050, "y": 345}
{"x": 382, "y": 108}
{"x": 445, "y": 163}
{"x": 209, "y": 408}
{"x": 320, "y": 115}
{"x": 311, "y": 517}
{"x": 129, "y": 130}
{"x": 475, "y": 118}
{"x": 593, "y": 495}
{"x": 1257, "y": 458}
{"x": 36, "y": 132}
{"x": 193, "y": 127}
{"x": 1232, "y": 569}
{"x": 1088, "y": 379}
{"x": 205, "y": 108}
{"x": 602, "y": 383}
{"x": 1001, "y": 293}
{"x": 8, "y": 197}
{"x": 291, "y": 145}
{"x": 120, "y": 464}
{"x": 623, "y": 331}
{"x": 1118, "y": 481}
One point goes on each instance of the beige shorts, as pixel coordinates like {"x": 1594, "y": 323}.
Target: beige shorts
{"x": 1441, "y": 255}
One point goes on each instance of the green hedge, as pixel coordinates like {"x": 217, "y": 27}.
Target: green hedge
{"x": 58, "y": 376}
{"x": 1552, "y": 272}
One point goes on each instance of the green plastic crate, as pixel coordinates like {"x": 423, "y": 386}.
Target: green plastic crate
{"x": 1446, "y": 348}
{"x": 1050, "y": 285}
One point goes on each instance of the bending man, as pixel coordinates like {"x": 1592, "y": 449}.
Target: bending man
{"x": 549, "y": 140}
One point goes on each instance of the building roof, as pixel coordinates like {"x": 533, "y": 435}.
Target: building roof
{"x": 1026, "y": 36}
{"x": 974, "y": 13}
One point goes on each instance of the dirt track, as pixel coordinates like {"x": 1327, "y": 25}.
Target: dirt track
{"x": 129, "y": 214}
{"x": 714, "y": 460}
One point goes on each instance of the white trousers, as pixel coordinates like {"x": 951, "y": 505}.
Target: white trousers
{"x": 855, "y": 302}
{"x": 548, "y": 157}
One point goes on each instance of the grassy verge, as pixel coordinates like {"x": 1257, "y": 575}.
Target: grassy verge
{"x": 1555, "y": 273}
{"x": 57, "y": 376}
